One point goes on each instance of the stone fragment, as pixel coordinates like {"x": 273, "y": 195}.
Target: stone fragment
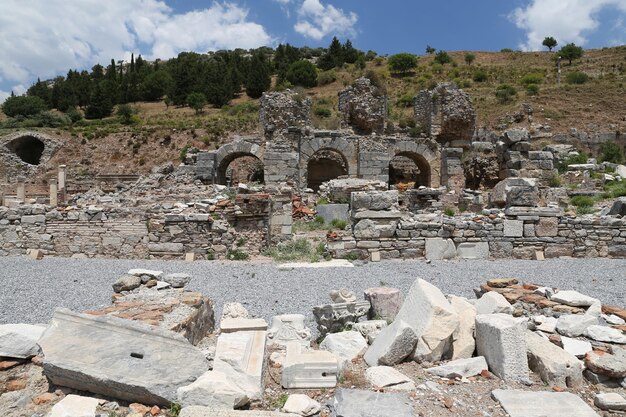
{"x": 199, "y": 411}
{"x": 611, "y": 365}
{"x": 554, "y": 365}
{"x": 619, "y": 206}
{"x": 360, "y": 403}
{"x": 388, "y": 377}
{"x": 20, "y": 340}
{"x": 177, "y": 280}
{"x": 343, "y": 295}
{"x": 500, "y": 338}
{"x": 309, "y": 369}
{"x": 513, "y": 228}
{"x": 118, "y": 358}
{"x": 333, "y": 318}
{"x": 213, "y": 389}
{"x": 385, "y": 301}
{"x": 431, "y": 317}
{"x": 573, "y": 325}
{"x": 302, "y": 405}
{"x": 370, "y": 329}
{"x": 241, "y": 325}
{"x": 610, "y": 401}
{"x": 575, "y": 347}
{"x": 438, "y": 249}
{"x": 573, "y": 299}
{"x": 473, "y": 250}
{"x": 148, "y": 272}
{"x": 460, "y": 368}
{"x": 35, "y": 254}
{"x": 519, "y": 403}
{"x": 613, "y": 319}
{"x": 127, "y": 283}
{"x": 234, "y": 311}
{"x": 605, "y": 334}
{"x": 75, "y": 406}
{"x": 492, "y": 303}
{"x": 288, "y": 328}
{"x": 345, "y": 345}
{"x": 501, "y": 282}
{"x": 546, "y": 324}
{"x": 399, "y": 342}
{"x": 547, "y": 227}
{"x": 463, "y": 342}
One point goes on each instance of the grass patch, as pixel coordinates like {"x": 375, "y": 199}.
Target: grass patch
{"x": 339, "y": 224}
{"x": 237, "y": 255}
{"x": 279, "y": 401}
{"x": 614, "y": 189}
{"x": 297, "y": 250}
{"x": 308, "y": 226}
{"x": 582, "y": 201}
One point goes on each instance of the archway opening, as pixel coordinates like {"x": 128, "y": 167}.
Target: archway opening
{"x": 28, "y": 148}
{"x": 240, "y": 168}
{"x": 409, "y": 170}
{"x": 325, "y": 165}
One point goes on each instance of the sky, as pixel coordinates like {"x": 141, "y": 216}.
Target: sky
{"x": 45, "y": 38}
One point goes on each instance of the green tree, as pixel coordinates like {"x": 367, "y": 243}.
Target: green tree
{"x": 196, "y": 101}
{"x": 126, "y": 113}
{"x": 402, "y": 63}
{"x": 350, "y": 53}
{"x": 549, "y": 42}
{"x": 23, "y": 106}
{"x": 259, "y": 77}
{"x": 443, "y": 58}
{"x": 100, "y": 105}
{"x": 430, "y": 50}
{"x": 302, "y": 73}
{"x": 334, "y": 56}
{"x": 40, "y": 89}
{"x": 571, "y": 52}
{"x": 284, "y": 56}
{"x": 155, "y": 85}
{"x": 469, "y": 58}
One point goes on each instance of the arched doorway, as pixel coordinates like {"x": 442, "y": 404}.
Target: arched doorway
{"x": 325, "y": 165}
{"x": 410, "y": 169}
{"x": 240, "y": 168}
{"x": 28, "y": 148}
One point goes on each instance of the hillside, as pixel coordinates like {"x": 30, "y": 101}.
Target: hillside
{"x": 161, "y": 132}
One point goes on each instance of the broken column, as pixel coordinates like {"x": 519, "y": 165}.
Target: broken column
{"x": 62, "y": 180}
{"x": 21, "y": 189}
{"x": 501, "y": 339}
{"x": 53, "y": 193}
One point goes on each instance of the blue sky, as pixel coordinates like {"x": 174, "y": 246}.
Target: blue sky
{"x": 47, "y": 37}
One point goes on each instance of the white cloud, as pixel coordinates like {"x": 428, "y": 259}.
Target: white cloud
{"x": 47, "y": 37}
{"x": 316, "y": 21}
{"x": 565, "y": 20}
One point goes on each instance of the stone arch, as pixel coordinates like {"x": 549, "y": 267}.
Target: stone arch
{"x": 345, "y": 148}
{"x": 28, "y": 148}
{"x": 427, "y": 159}
{"x": 324, "y": 165}
{"x": 228, "y": 153}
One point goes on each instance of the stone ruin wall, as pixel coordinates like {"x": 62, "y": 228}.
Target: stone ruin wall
{"x": 382, "y": 230}
{"x": 112, "y": 233}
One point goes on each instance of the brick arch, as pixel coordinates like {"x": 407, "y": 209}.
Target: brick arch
{"x": 231, "y": 151}
{"x": 343, "y": 147}
{"x": 423, "y": 155}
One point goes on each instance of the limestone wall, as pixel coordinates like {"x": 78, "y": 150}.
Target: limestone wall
{"x": 516, "y": 232}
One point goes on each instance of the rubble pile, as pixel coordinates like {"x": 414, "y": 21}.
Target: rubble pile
{"x": 155, "y": 352}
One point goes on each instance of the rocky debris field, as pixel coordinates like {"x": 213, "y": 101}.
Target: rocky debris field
{"x": 152, "y": 346}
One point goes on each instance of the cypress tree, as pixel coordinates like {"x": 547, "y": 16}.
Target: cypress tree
{"x": 259, "y": 78}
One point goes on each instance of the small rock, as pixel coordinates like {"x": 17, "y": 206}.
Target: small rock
{"x": 605, "y": 334}
{"x": 613, "y": 319}
{"x": 611, "y": 365}
{"x": 492, "y": 303}
{"x": 20, "y": 340}
{"x": 501, "y": 282}
{"x": 162, "y": 285}
{"x": 461, "y": 368}
{"x": 345, "y": 345}
{"x": 148, "y": 272}
{"x": 127, "y": 283}
{"x": 301, "y": 404}
{"x": 610, "y": 401}
{"x": 388, "y": 377}
{"x": 573, "y": 299}
{"x": 575, "y": 347}
{"x": 343, "y": 295}
{"x": 177, "y": 280}
{"x": 573, "y": 325}
{"x": 74, "y": 405}
{"x": 234, "y": 311}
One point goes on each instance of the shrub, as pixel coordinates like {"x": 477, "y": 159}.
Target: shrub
{"x": 326, "y": 77}
{"x": 505, "y": 93}
{"x": 480, "y": 76}
{"x": 582, "y": 201}
{"x": 532, "y": 89}
{"x": 533, "y": 78}
{"x": 125, "y": 112}
{"x": 469, "y": 58}
{"x": 196, "y": 101}
{"x": 443, "y": 58}
{"x": 576, "y": 77}
{"x": 405, "y": 101}
{"x": 448, "y": 211}
{"x": 183, "y": 153}
{"x": 74, "y": 114}
{"x": 322, "y": 112}
{"x": 23, "y": 106}
{"x": 302, "y": 73}
{"x": 237, "y": 255}
{"x": 581, "y": 158}
{"x": 506, "y": 50}
{"x": 402, "y": 63}
{"x": 299, "y": 249}
{"x": 611, "y": 152}
{"x": 554, "y": 181}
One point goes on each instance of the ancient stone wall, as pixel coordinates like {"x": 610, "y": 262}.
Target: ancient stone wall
{"x": 381, "y": 231}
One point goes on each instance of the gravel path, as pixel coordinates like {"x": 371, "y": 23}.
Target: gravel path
{"x": 31, "y": 290}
